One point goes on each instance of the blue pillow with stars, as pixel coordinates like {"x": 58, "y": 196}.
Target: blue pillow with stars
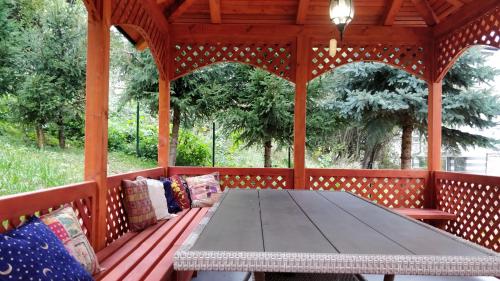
{"x": 33, "y": 252}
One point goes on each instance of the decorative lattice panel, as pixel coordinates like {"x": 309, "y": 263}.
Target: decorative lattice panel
{"x": 140, "y": 15}
{"x": 482, "y": 31}
{"x": 263, "y": 178}
{"x": 116, "y": 219}
{"x": 275, "y": 58}
{"x": 476, "y": 202}
{"x": 247, "y": 181}
{"x": 408, "y": 58}
{"x": 390, "y": 191}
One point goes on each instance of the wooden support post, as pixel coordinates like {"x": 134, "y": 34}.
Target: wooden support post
{"x": 96, "y": 116}
{"x": 299, "y": 126}
{"x": 434, "y": 126}
{"x": 164, "y": 123}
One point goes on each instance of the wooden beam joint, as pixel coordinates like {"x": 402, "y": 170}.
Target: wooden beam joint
{"x": 178, "y": 9}
{"x": 391, "y": 12}
{"x": 426, "y": 12}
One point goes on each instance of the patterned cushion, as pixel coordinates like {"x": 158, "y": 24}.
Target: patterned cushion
{"x": 138, "y": 206}
{"x": 158, "y": 199}
{"x": 179, "y": 188}
{"x": 33, "y": 252}
{"x": 64, "y": 224}
{"x": 205, "y": 190}
{"x": 173, "y": 206}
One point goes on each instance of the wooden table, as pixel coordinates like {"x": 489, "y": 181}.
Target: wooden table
{"x": 324, "y": 232}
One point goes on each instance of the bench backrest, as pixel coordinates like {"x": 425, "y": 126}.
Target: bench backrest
{"x": 14, "y": 209}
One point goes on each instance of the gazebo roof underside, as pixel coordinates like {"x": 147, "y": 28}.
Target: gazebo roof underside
{"x": 422, "y": 37}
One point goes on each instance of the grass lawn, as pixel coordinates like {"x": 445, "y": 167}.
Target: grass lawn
{"x": 24, "y": 168}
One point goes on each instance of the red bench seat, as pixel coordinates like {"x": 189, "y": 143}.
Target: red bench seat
{"x": 148, "y": 255}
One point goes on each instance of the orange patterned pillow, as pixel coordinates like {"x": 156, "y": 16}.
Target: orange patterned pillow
{"x": 138, "y": 205}
{"x": 64, "y": 223}
{"x": 179, "y": 188}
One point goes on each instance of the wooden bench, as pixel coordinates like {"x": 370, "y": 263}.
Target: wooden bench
{"x": 148, "y": 255}
{"x": 145, "y": 255}
{"x": 434, "y": 217}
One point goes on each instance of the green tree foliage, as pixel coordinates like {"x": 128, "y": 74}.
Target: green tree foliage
{"x": 52, "y": 64}
{"x": 193, "y": 98}
{"x": 261, "y": 110}
{"x": 382, "y": 99}
{"x": 8, "y": 28}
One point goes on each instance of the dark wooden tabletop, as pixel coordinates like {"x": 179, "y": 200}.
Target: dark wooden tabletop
{"x": 323, "y": 222}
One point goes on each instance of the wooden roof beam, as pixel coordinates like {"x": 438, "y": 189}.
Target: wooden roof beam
{"x": 302, "y": 11}
{"x": 178, "y": 9}
{"x": 358, "y": 34}
{"x": 215, "y": 13}
{"x": 426, "y": 12}
{"x": 391, "y": 12}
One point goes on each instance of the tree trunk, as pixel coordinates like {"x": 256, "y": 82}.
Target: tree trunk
{"x": 174, "y": 138}
{"x": 40, "y": 137}
{"x": 406, "y": 141}
{"x": 61, "y": 133}
{"x": 267, "y": 154}
{"x": 371, "y": 155}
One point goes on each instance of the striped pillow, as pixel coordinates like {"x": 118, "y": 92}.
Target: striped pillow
{"x": 138, "y": 205}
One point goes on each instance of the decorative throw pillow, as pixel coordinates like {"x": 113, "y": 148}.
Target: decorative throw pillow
{"x": 138, "y": 206}
{"x": 180, "y": 194}
{"x": 64, "y": 224}
{"x": 33, "y": 252}
{"x": 204, "y": 190}
{"x": 173, "y": 206}
{"x": 158, "y": 199}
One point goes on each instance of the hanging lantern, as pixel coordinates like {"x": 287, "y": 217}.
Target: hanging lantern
{"x": 341, "y": 14}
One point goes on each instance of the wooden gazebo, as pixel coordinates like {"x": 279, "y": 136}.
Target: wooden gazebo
{"x": 288, "y": 38}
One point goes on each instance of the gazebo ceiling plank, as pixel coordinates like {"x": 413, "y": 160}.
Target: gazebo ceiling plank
{"x": 462, "y": 16}
{"x": 391, "y": 12}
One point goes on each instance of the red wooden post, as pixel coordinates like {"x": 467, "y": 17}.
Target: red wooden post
{"x": 434, "y": 126}
{"x": 96, "y": 115}
{"x": 164, "y": 123}
{"x": 299, "y": 126}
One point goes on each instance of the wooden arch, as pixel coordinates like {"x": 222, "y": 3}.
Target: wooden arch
{"x": 410, "y": 58}
{"x": 276, "y": 58}
{"x": 484, "y": 30}
{"x": 144, "y": 18}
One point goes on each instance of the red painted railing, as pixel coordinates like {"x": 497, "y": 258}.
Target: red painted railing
{"x": 391, "y": 188}
{"x": 81, "y": 196}
{"x": 475, "y": 199}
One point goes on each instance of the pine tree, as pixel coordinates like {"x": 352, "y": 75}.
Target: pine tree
{"x": 382, "y": 99}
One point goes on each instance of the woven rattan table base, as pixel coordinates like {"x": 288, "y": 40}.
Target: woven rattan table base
{"x": 308, "y": 277}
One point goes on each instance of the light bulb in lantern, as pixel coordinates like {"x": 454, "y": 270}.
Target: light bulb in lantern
{"x": 341, "y": 13}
